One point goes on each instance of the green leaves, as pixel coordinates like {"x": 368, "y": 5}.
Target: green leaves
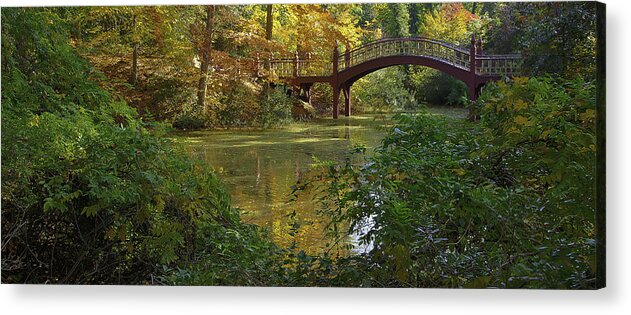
{"x": 507, "y": 202}
{"x": 85, "y": 187}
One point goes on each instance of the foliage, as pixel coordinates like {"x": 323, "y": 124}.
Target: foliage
{"x": 92, "y": 193}
{"x": 189, "y": 121}
{"x": 453, "y": 23}
{"x": 556, "y": 37}
{"x": 388, "y": 95}
{"x": 505, "y": 203}
{"x": 321, "y": 96}
{"x": 89, "y": 195}
{"x": 171, "y": 96}
{"x": 275, "y": 107}
{"x": 395, "y": 20}
{"x": 435, "y": 87}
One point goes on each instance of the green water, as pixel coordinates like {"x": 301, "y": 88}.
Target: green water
{"x": 260, "y": 167}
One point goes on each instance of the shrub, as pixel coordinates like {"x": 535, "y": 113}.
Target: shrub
{"x": 170, "y": 97}
{"x": 508, "y": 202}
{"x": 321, "y": 98}
{"x": 188, "y": 121}
{"x": 438, "y": 88}
{"x": 235, "y": 106}
{"x": 89, "y": 195}
{"x": 384, "y": 90}
{"x": 275, "y": 107}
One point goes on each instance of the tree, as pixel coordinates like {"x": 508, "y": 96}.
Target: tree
{"x": 555, "y": 37}
{"x": 395, "y": 19}
{"x": 452, "y": 23}
{"x": 269, "y": 22}
{"x": 205, "y": 56}
{"x": 132, "y": 30}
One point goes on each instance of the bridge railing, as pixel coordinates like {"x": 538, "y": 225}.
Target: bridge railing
{"x": 292, "y": 67}
{"x": 418, "y": 46}
{"x": 508, "y": 65}
{"x": 457, "y": 56}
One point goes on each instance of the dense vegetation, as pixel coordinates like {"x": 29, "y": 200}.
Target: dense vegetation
{"x": 508, "y": 202}
{"x": 93, "y": 191}
{"x": 90, "y": 192}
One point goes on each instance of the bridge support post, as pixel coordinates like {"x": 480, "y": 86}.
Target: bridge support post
{"x": 472, "y": 65}
{"x": 347, "y": 100}
{"x": 334, "y": 84}
{"x": 336, "y": 101}
{"x": 308, "y": 93}
{"x": 472, "y": 83}
{"x": 304, "y": 92}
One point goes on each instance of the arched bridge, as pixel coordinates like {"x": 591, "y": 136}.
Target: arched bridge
{"x": 470, "y": 66}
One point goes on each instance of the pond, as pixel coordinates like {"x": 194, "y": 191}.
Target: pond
{"x": 260, "y": 167}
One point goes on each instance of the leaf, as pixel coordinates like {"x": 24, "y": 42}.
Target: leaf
{"x": 90, "y": 211}
{"x": 588, "y": 115}
{"x": 478, "y": 283}
{"x": 520, "y": 104}
{"x": 521, "y": 120}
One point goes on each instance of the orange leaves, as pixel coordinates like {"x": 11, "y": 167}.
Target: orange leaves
{"x": 457, "y": 11}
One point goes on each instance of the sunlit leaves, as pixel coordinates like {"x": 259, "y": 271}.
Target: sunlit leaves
{"x": 508, "y": 202}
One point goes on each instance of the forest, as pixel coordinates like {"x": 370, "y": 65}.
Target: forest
{"x": 115, "y": 119}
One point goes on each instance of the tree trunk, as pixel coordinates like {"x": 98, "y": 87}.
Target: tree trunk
{"x": 269, "y": 23}
{"x": 205, "y": 58}
{"x": 133, "y": 78}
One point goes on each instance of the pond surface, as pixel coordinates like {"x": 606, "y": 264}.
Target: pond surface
{"x": 260, "y": 167}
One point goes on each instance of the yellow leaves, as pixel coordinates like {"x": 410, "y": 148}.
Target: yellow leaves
{"x": 122, "y": 234}
{"x": 589, "y": 149}
{"x": 522, "y": 121}
{"x": 458, "y": 171}
{"x": 117, "y": 233}
{"x": 519, "y": 105}
{"x": 512, "y": 130}
{"x": 401, "y": 256}
{"x": 501, "y": 85}
{"x": 588, "y": 116}
{"x": 34, "y": 122}
{"x": 159, "y": 203}
{"x": 546, "y": 134}
{"x": 520, "y": 80}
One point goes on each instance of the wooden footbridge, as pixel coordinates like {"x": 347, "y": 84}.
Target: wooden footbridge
{"x": 470, "y": 66}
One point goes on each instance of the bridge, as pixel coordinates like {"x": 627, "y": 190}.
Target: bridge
{"x": 470, "y": 66}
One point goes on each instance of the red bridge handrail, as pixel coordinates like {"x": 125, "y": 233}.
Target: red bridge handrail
{"x": 460, "y": 57}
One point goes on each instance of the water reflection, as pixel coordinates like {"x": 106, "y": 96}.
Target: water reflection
{"x": 260, "y": 167}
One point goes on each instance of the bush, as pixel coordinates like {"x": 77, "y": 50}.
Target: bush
{"x": 384, "y": 90}
{"x": 89, "y": 195}
{"x": 275, "y": 107}
{"x": 189, "y": 121}
{"x": 438, "y": 88}
{"x": 505, "y": 203}
{"x": 321, "y": 99}
{"x": 171, "y": 97}
{"x": 236, "y": 105}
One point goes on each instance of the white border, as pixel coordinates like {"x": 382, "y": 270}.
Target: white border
{"x": 111, "y": 300}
